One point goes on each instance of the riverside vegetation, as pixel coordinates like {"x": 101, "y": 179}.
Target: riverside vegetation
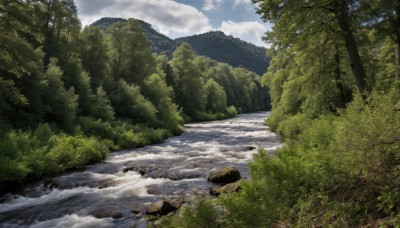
{"x": 334, "y": 81}
{"x": 68, "y": 95}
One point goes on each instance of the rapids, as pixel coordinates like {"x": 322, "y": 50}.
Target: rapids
{"x": 127, "y": 181}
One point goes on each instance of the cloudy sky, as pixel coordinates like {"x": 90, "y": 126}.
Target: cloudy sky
{"x": 178, "y": 18}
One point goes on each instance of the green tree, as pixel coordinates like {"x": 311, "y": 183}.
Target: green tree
{"x": 161, "y": 96}
{"x": 130, "y": 52}
{"x": 129, "y": 103}
{"x": 102, "y": 106}
{"x": 94, "y": 55}
{"x": 61, "y": 104}
{"x": 190, "y": 92}
{"x": 293, "y": 26}
{"x": 20, "y": 65}
{"x": 58, "y": 21}
{"x": 215, "y": 97}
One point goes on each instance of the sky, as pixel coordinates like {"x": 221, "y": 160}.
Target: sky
{"x": 179, "y": 18}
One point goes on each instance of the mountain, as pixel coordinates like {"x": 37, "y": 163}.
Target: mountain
{"x": 159, "y": 42}
{"x": 234, "y": 51}
{"x": 215, "y": 45}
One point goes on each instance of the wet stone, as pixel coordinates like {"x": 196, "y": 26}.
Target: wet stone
{"x": 224, "y": 175}
{"x": 226, "y": 189}
{"x": 106, "y": 213}
{"x": 58, "y": 183}
{"x": 251, "y": 148}
{"x": 161, "y": 207}
{"x": 106, "y": 183}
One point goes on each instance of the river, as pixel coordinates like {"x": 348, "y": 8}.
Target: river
{"x": 127, "y": 181}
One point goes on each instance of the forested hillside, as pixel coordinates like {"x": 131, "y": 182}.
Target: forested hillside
{"x": 159, "y": 43}
{"x": 335, "y": 85}
{"x": 228, "y": 49}
{"x": 68, "y": 96}
{"x": 215, "y": 45}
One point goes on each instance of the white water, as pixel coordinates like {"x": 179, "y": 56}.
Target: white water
{"x": 176, "y": 168}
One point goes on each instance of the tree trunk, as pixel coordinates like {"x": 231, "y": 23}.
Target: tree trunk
{"x": 342, "y": 98}
{"x": 397, "y": 35}
{"x": 351, "y": 47}
{"x": 397, "y": 63}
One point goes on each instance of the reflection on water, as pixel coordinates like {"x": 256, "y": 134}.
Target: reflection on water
{"x": 127, "y": 181}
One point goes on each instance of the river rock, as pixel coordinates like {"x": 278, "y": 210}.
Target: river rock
{"x": 58, "y": 183}
{"x": 106, "y": 213}
{"x": 161, "y": 207}
{"x": 141, "y": 169}
{"x": 251, "y": 147}
{"x": 224, "y": 175}
{"x": 229, "y": 188}
{"x": 106, "y": 183}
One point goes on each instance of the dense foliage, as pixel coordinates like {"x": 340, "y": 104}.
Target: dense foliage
{"x": 335, "y": 90}
{"x": 68, "y": 95}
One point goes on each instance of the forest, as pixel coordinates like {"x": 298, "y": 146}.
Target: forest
{"x": 69, "y": 95}
{"x": 334, "y": 81}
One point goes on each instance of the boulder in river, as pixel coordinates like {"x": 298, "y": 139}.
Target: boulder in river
{"x": 141, "y": 169}
{"x": 251, "y": 147}
{"x": 106, "y": 213}
{"x": 224, "y": 175}
{"x": 229, "y": 188}
{"x": 58, "y": 183}
{"x": 161, "y": 207}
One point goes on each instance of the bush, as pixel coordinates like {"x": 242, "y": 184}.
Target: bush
{"x": 92, "y": 127}
{"x": 292, "y": 126}
{"x": 231, "y": 111}
{"x": 202, "y": 214}
{"x": 76, "y": 151}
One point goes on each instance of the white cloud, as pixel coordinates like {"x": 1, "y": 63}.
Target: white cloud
{"x": 210, "y": 5}
{"x": 250, "y": 31}
{"x": 238, "y": 2}
{"x": 169, "y": 17}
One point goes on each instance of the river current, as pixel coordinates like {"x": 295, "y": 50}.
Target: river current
{"x": 116, "y": 192}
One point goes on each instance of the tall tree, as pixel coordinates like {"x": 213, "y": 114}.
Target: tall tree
{"x": 20, "y": 65}
{"x": 215, "y": 97}
{"x": 59, "y": 23}
{"x": 131, "y": 57}
{"x": 190, "y": 93}
{"x": 316, "y": 17}
{"x": 94, "y": 55}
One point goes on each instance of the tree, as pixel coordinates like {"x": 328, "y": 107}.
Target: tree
{"x": 129, "y": 103}
{"x": 102, "y": 106}
{"x": 94, "y": 55}
{"x": 61, "y": 104}
{"x": 292, "y": 26}
{"x": 58, "y": 21}
{"x": 190, "y": 93}
{"x": 20, "y": 65}
{"x": 130, "y": 52}
{"x": 160, "y": 95}
{"x": 215, "y": 97}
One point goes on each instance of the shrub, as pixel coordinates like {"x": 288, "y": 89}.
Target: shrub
{"x": 202, "y": 214}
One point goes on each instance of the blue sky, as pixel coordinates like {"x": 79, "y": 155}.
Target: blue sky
{"x": 178, "y": 18}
